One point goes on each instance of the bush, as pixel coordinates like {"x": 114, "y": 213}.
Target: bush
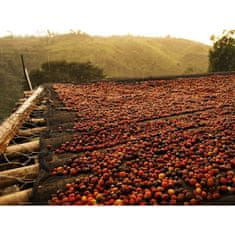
{"x": 222, "y": 54}
{"x": 62, "y": 71}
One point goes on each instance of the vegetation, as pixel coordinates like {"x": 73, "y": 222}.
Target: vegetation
{"x": 10, "y": 91}
{"x": 119, "y": 56}
{"x": 61, "y": 71}
{"x": 222, "y": 55}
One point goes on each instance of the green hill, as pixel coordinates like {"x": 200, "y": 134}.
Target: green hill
{"x": 119, "y": 56}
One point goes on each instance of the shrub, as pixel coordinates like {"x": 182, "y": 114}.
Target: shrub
{"x": 62, "y": 71}
{"x": 222, "y": 54}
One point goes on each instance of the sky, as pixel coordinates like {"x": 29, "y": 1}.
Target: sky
{"x": 191, "y": 19}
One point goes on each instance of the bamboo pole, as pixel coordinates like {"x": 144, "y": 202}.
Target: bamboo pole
{"x": 13, "y": 176}
{"x": 38, "y": 120}
{"x": 11, "y": 125}
{"x": 17, "y": 149}
{"x": 22, "y": 100}
{"x": 28, "y": 93}
{"x": 26, "y": 75}
{"x": 41, "y": 108}
{"x": 32, "y": 131}
{"x": 19, "y": 198}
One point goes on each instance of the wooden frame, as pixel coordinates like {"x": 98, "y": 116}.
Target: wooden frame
{"x": 11, "y": 125}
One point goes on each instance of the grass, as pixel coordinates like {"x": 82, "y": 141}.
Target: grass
{"x": 119, "y": 56}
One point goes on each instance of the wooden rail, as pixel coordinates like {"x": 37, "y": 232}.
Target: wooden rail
{"x": 10, "y": 177}
{"x": 32, "y": 131}
{"x": 10, "y": 126}
{"x": 17, "y": 149}
{"x": 18, "y": 198}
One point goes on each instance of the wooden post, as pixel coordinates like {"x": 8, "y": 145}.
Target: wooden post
{"x": 26, "y": 75}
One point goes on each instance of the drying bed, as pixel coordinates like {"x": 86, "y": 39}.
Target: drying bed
{"x": 140, "y": 143}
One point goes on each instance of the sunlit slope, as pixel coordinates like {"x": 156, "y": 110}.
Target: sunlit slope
{"x": 133, "y": 56}
{"x": 119, "y": 56}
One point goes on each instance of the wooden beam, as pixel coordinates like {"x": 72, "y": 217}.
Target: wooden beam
{"x": 28, "y": 93}
{"x": 41, "y": 108}
{"x": 17, "y": 149}
{"x": 32, "y": 131}
{"x": 22, "y": 100}
{"x": 12, "y": 176}
{"x": 11, "y": 125}
{"x": 19, "y": 198}
{"x": 38, "y": 120}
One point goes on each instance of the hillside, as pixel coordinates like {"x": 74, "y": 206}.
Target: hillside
{"x": 119, "y": 56}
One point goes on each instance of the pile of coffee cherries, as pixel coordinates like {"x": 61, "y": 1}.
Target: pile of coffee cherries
{"x": 149, "y": 143}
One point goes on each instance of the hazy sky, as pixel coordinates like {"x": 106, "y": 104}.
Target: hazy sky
{"x": 192, "y": 19}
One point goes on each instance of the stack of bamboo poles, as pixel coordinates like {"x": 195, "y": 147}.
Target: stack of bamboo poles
{"x": 11, "y": 152}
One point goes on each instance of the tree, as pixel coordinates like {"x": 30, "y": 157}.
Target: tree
{"x": 222, "y": 54}
{"x": 62, "y": 71}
